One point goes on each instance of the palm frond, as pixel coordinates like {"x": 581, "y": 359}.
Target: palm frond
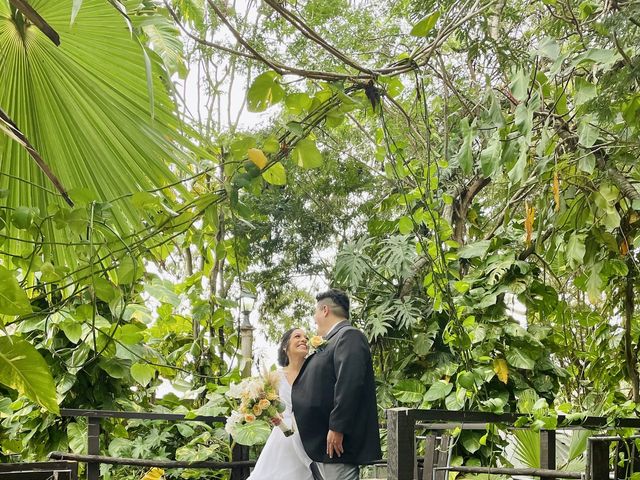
{"x": 85, "y": 108}
{"x": 165, "y": 40}
{"x": 527, "y": 447}
{"x": 34, "y": 17}
{"x": 11, "y": 129}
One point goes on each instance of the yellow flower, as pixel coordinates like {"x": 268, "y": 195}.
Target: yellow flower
{"x": 154, "y": 474}
{"x": 249, "y": 418}
{"x": 257, "y": 410}
{"x": 264, "y": 404}
{"x": 272, "y": 396}
{"x": 316, "y": 341}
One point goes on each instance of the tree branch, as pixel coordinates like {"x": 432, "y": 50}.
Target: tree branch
{"x": 603, "y": 161}
{"x": 462, "y": 203}
{"x": 529, "y": 250}
{"x": 631, "y": 358}
{"x": 277, "y": 66}
{"x": 617, "y": 177}
{"x": 311, "y": 34}
{"x": 203, "y": 41}
{"x": 35, "y": 18}
{"x": 11, "y": 129}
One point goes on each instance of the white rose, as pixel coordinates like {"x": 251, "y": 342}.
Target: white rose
{"x": 232, "y": 422}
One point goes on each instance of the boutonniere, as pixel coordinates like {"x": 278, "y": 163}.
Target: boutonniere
{"x": 317, "y": 343}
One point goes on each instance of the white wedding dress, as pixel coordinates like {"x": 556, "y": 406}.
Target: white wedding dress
{"x": 283, "y": 458}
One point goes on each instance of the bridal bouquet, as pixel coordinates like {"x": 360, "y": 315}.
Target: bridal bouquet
{"x": 259, "y": 409}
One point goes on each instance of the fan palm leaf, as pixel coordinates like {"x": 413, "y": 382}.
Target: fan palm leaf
{"x": 85, "y": 107}
{"x": 527, "y": 447}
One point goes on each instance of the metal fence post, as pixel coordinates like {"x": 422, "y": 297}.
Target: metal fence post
{"x": 598, "y": 459}
{"x": 401, "y": 448}
{"x": 240, "y": 453}
{"x": 548, "y": 449}
{"x": 93, "y": 448}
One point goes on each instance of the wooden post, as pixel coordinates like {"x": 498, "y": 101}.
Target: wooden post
{"x": 430, "y": 456}
{"x": 443, "y": 457}
{"x": 93, "y": 448}
{"x": 548, "y": 449}
{"x": 599, "y": 460}
{"x": 401, "y": 448}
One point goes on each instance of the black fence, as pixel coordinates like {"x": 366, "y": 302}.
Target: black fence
{"x": 239, "y": 463}
{"x": 402, "y": 442}
{"x": 402, "y": 424}
{"x": 39, "y": 471}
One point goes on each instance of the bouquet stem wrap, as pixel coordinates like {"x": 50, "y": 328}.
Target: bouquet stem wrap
{"x": 288, "y": 431}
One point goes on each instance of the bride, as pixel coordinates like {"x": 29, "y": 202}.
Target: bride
{"x": 283, "y": 457}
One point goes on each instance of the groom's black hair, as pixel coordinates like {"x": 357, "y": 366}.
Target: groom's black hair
{"x": 283, "y": 358}
{"x": 339, "y": 299}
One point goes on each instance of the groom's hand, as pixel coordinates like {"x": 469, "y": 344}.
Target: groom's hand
{"x": 334, "y": 443}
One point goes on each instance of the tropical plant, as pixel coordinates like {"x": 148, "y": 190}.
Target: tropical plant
{"x": 467, "y": 170}
{"x": 96, "y": 110}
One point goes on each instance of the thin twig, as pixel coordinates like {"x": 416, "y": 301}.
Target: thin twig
{"x": 311, "y": 34}
{"x": 203, "y": 41}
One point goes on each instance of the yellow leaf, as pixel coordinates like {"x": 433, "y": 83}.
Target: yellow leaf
{"x": 258, "y": 157}
{"x": 624, "y": 247}
{"x": 501, "y": 368}
{"x": 530, "y": 213}
{"x": 556, "y": 190}
{"x": 154, "y": 474}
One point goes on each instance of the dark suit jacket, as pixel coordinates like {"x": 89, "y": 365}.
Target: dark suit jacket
{"x": 336, "y": 390}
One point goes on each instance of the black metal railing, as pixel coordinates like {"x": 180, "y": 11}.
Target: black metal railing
{"x": 402, "y": 424}
{"x": 239, "y": 463}
{"x": 39, "y": 471}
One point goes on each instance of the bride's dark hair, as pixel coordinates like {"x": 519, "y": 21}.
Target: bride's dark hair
{"x": 283, "y": 358}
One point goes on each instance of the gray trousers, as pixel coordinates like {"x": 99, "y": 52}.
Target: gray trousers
{"x": 335, "y": 471}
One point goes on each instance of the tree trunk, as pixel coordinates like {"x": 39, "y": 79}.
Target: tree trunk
{"x": 188, "y": 271}
{"x": 462, "y": 204}
{"x": 631, "y": 357}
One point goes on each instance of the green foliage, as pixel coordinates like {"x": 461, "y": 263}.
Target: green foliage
{"x": 13, "y": 299}
{"x": 352, "y": 263}
{"x": 99, "y": 133}
{"x": 476, "y": 196}
{"x": 264, "y": 92}
{"x": 276, "y": 174}
{"x": 424, "y": 26}
{"x": 306, "y": 154}
{"x": 254, "y": 433}
{"x": 23, "y": 369}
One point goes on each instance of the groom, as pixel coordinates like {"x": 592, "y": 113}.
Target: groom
{"x": 334, "y": 395}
